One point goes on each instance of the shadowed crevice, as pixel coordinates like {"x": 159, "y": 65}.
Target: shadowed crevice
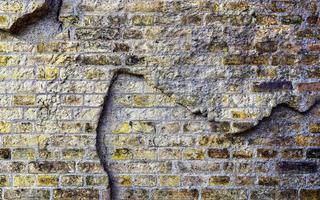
{"x": 100, "y": 146}
{"x": 30, "y": 18}
{"x": 41, "y": 25}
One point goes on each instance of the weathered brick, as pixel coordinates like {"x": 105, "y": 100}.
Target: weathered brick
{"x": 309, "y": 87}
{"x": 268, "y": 46}
{"x": 266, "y": 153}
{"x": 169, "y": 181}
{"x": 75, "y": 194}
{"x": 218, "y": 153}
{"x": 51, "y": 167}
{"x": 309, "y": 194}
{"x": 295, "y": 167}
{"x": 291, "y": 19}
{"x": 313, "y": 153}
{"x": 25, "y": 100}
{"x": 219, "y": 180}
{"x": 272, "y": 86}
{"x": 176, "y": 194}
{"x": 223, "y": 194}
{"x": 268, "y": 181}
{"x": 27, "y": 194}
{"x": 47, "y": 180}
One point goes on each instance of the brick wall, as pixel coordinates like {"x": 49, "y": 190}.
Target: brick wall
{"x": 186, "y": 117}
{"x": 157, "y": 150}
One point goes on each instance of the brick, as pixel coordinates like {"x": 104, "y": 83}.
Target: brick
{"x": 237, "y": 6}
{"x": 135, "y": 194}
{"x": 234, "y": 60}
{"x": 272, "y": 86}
{"x": 309, "y": 194}
{"x": 242, "y": 154}
{"x": 47, "y": 180}
{"x": 26, "y": 100}
{"x": 313, "y": 153}
{"x": 140, "y": 20}
{"x": 144, "y": 127}
{"x": 283, "y": 60}
{"x": 244, "y": 180}
{"x": 194, "y": 154}
{"x": 4, "y": 181}
{"x": 266, "y": 153}
{"x": 122, "y": 154}
{"x": 219, "y": 180}
{"x": 292, "y": 153}
{"x": 192, "y": 19}
{"x": 169, "y": 181}
{"x": 124, "y": 181}
{"x": 292, "y": 167}
{"x": 309, "y": 87}
{"x": 68, "y": 194}
{"x": 157, "y": 6}
{"x": 274, "y": 194}
{"x": 220, "y": 126}
{"x": 223, "y": 194}
{"x": 5, "y": 154}
{"x": 23, "y": 181}
{"x": 310, "y": 59}
{"x": 291, "y": 19}
{"x": 218, "y": 153}
{"x": 71, "y": 180}
{"x": 268, "y": 181}
{"x": 267, "y": 47}
{"x": 51, "y": 167}
{"x": 5, "y": 127}
{"x": 97, "y": 180}
{"x": 97, "y": 33}
{"x": 267, "y": 19}
{"x": 176, "y": 194}
{"x": 199, "y": 166}
{"x": 99, "y": 60}
{"x": 27, "y": 194}
{"x": 209, "y": 140}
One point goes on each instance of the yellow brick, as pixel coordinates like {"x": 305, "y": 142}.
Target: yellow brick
{"x": 24, "y": 100}
{"x": 23, "y": 181}
{"x": 5, "y": 127}
{"x": 23, "y": 154}
{"x": 143, "y": 127}
{"x": 48, "y": 73}
{"x": 122, "y": 154}
{"x": 4, "y": 22}
{"x": 16, "y": 7}
{"x": 169, "y": 181}
{"x": 47, "y": 180}
{"x": 143, "y": 101}
{"x": 122, "y": 128}
{"x": 94, "y": 74}
{"x": 4, "y": 181}
{"x": 243, "y": 115}
{"x": 124, "y": 181}
{"x": 156, "y": 6}
{"x": 193, "y": 154}
{"x": 145, "y": 154}
{"x": 4, "y": 60}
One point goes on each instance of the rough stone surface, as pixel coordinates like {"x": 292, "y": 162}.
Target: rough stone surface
{"x": 207, "y": 70}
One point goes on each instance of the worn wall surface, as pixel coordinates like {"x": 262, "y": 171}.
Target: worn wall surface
{"x": 159, "y": 99}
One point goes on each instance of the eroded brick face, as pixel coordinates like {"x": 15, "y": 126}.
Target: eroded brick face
{"x": 158, "y": 150}
{"x": 209, "y": 71}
